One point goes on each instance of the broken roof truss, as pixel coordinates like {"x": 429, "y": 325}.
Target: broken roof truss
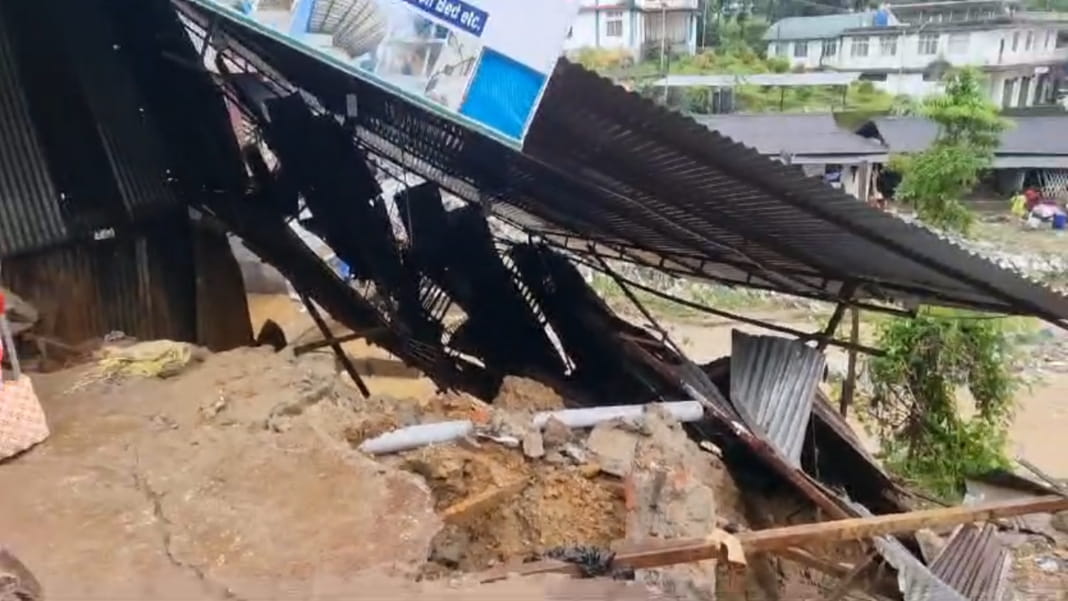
{"x": 607, "y": 171}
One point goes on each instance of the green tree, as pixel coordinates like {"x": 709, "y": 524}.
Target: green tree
{"x": 926, "y": 437}
{"x": 969, "y": 128}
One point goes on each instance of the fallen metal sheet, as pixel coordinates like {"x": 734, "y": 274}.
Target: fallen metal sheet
{"x": 916, "y": 581}
{"x": 975, "y": 564}
{"x": 773, "y": 382}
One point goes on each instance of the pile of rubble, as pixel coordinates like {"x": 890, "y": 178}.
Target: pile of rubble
{"x": 243, "y": 473}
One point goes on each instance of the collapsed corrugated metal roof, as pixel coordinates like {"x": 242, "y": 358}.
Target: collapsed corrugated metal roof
{"x": 608, "y": 168}
{"x": 773, "y": 383}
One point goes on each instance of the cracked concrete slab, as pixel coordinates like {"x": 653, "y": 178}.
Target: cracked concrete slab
{"x": 138, "y": 496}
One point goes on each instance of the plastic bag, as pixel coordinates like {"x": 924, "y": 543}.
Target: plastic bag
{"x": 22, "y": 420}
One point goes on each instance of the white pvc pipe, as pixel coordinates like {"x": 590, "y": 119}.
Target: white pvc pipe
{"x": 413, "y": 437}
{"x": 683, "y": 411}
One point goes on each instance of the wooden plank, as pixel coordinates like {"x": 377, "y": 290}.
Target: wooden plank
{"x": 482, "y": 502}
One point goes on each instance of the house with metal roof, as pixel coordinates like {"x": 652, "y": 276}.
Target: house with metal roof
{"x": 1033, "y": 150}
{"x": 905, "y": 48}
{"x": 636, "y": 27}
{"x": 813, "y": 141}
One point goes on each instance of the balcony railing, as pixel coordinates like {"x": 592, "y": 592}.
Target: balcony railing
{"x": 653, "y": 5}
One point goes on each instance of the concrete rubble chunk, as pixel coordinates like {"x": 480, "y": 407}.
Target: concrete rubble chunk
{"x": 556, "y": 433}
{"x": 613, "y": 449}
{"x": 533, "y": 446}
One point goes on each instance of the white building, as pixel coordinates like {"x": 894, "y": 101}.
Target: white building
{"x": 641, "y": 27}
{"x": 905, "y": 48}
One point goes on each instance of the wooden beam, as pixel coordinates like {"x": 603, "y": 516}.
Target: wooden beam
{"x": 335, "y": 345}
{"x": 318, "y": 344}
{"x": 896, "y": 523}
{"x": 665, "y": 553}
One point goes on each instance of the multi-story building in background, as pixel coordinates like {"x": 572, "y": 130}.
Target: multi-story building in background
{"x": 640, "y": 27}
{"x": 906, "y": 48}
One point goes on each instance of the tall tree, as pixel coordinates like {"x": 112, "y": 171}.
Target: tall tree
{"x": 969, "y": 128}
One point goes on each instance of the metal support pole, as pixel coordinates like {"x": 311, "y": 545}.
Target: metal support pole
{"x": 334, "y": 344}
{"x": 850, "y": 384}
{"x": 209, "y": 34}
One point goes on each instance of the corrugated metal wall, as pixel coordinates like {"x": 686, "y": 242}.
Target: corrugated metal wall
{"x": 93, "y": 229}
{"x": 80, "y": 149}
{"x": 168, "y": 280}
{"x": 29, "y": 204}
{"x": 141, "y": 284}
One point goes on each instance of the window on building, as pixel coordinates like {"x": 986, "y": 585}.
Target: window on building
{"x": 801, "y": 48}
{"x": 1006, "y": 93}
{"x": 783, "y": 47}
{"x": 870, "y": 76}
{"x": 1030, "y": 42}
{"x": 859, "y": 47}
{"x": 1062, "y": 39}
{"x": 613, "y": 24}
{"x": 1024, "y": 92}
{"x": 570, "y": 32}
{"x": 928, "y": 44}
{"x": 958, "y": 43}
{"x": 888, "y": 45}
{"x": 1016, "y": 41}
{"x": 1049, "y": 40}
{"x": 830, "y": 47}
